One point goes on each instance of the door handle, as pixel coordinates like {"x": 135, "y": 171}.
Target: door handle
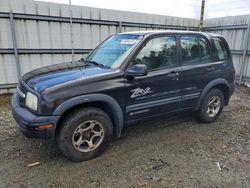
{"x": 173, "y": 75}
{"x": 210, "y": 69}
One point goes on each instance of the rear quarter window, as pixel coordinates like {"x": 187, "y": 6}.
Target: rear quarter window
{"x": 220, "y": 49}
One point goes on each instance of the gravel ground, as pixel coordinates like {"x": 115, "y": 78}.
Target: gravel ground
{"x": 171, "y": 152}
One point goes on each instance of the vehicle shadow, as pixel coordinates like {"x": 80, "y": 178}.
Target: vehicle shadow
{"x": 47, "y": 151}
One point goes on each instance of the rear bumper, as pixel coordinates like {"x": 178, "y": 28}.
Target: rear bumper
{"x": 29, "y": 122}
{"x": 232, "y": 88}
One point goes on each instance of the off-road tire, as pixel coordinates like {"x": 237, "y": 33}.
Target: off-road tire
{"x": 202, "y": 113}
{"x": 71, "y": 123}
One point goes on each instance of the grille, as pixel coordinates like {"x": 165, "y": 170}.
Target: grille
{"x": 21, "y": 94}
{"x": 22, "y": 89}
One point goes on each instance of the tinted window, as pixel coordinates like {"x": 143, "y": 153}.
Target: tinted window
{"x": 190, "y": 50}
{"x": 158, "y": 53}
{"x": 194, "y": 50}
{"x": 204, "y": 51}
{"x": 221, "y": 51}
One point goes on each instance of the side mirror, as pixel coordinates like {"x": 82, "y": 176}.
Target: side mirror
{"x": 137, "y": 70}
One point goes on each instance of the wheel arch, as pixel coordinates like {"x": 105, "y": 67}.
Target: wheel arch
{"x": 221, "y": 84}
{"x": 102, "y": 101}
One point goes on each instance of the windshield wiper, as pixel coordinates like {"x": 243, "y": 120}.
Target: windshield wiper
{"x": 94, "y": 63}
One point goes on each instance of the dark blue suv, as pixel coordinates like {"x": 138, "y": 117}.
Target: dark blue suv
{"x": 129, "y": 77}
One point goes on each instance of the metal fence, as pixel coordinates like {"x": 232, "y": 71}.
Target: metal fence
{"x": 35, "y": 34}
{"x": 236, "y": 30}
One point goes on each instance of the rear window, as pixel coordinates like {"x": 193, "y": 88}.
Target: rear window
{"x": 221, "y": 50}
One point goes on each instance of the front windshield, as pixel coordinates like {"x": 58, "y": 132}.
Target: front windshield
{"x": 114, "y": 50}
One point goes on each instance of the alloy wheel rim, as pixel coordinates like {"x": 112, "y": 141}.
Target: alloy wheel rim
{"x": 213, "y": 106}
{"x": 88, "y": 136}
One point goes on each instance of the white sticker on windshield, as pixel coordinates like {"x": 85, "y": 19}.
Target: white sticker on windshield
{"x": 128, "y": 41}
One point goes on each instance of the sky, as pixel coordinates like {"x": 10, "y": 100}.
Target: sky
{"x": 180, "y": 8}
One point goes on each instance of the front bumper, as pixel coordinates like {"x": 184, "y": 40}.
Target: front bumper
{"x": 29, "y": 122}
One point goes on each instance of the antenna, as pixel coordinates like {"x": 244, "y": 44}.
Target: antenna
{"x": 71, "y": 33}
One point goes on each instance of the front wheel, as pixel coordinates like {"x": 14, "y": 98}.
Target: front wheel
{"x": 85, "y": 134}
{"x": 212, "y": 106}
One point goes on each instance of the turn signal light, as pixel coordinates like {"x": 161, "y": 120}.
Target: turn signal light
{"x": 47, "y": 126}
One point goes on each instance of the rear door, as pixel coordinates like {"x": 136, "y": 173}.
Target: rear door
{"x": 224, "y": 67}
{"x": 197, "y": 68}
{"x": 159, "y": 91}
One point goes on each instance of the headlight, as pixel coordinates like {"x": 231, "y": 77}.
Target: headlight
{"x": 31, "y": 101}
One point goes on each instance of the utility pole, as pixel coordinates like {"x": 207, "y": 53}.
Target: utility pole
{"x": 71, "y": 33}
{"x": 202, "y": 14}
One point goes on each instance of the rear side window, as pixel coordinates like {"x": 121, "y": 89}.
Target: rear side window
{"x": 190, "y": 50}
{"x": 194, "y": 50}
{"x": 221, "y": 50}
{"x": 204, "y": 50}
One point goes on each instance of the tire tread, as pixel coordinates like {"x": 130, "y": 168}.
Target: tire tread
{"x": 74, "y": 117}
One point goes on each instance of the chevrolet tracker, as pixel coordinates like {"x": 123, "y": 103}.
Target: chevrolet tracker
{"x": 129, "y": 77}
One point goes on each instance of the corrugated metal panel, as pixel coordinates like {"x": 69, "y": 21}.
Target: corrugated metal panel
{"x": 237, "y": 59}
{"x": 236, "y": 41}
{"x": 30, "y": 62}
{"x": 230, "y": 20}
{"x": 5, "y": 34}
{"x": 8, "y": 73}
{"x": 236, "y": 38}
{"x": 33, "y": 34}
{"x": 237, "y": 62}
{"x": 247, "y": 70}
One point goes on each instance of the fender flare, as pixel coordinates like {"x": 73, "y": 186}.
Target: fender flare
{"x": 209, "y": 86}
{"x": 116, "y": 110}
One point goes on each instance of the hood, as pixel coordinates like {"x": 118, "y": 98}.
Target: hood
{"x": 46, "y": 77}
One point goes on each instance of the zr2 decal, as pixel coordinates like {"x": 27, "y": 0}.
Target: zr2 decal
{"x": 139, "y": 92}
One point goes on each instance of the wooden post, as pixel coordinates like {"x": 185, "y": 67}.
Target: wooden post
{"x": 202, "y": 14}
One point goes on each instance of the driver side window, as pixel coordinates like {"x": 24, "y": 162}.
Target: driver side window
{"x": 158, "y": 53}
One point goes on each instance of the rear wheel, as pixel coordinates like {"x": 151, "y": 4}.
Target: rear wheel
{"x": 85, "y": 134}
{"x": 211, "y": 106}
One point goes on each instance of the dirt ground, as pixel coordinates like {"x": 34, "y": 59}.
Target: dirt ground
{"x": 172, "y": 152}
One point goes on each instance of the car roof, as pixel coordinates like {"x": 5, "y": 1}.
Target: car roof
{"x": 156, "y": 32}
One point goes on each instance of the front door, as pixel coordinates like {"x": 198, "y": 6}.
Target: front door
{"x": 159, "y": 91}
